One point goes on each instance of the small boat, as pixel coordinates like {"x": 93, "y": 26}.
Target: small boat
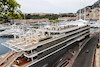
{"x": 10, "y": 32}
{"x": 3, "y": 27}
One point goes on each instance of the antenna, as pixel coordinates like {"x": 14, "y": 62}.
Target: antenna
{"x": 20, "y": 37}
{"x": 84, "y": 10}
{"x": 80, "y": 9}
{"x": 99, "y": 22}
{"x": 14, "y": 36}
{"x": 99, "y": 11}
{"x": 24, "y": 18}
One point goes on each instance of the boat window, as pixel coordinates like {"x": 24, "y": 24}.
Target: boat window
{"x": 43, "y": 39}
{"x": 35, "y": 57}
{"x": 46, "y": 33}
{"x": 40, "y": 53}
{"x": 34, "y": 50}
{"x": 39, "y": 46}
{"x": 55, "y": 33}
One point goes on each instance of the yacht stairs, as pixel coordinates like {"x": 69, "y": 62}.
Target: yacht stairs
{"x": 6, "y": 56}
{"x": 12, "y": 59}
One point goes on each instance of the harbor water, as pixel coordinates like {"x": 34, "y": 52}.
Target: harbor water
{"x": 3, "y": 49}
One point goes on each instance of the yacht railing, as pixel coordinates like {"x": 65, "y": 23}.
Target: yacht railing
{"x": 35, "y": 61}
{"x": 36, "y": 53}
{"x": 11, "y": 47}
{"x": 31, "y": 54}
{"x": 7, "y": 55}
{"x": 12, "y": 59}
{"x": 41, "y": 43}
{"x": 60, "y": 36}
{"x": 29, "y": 63}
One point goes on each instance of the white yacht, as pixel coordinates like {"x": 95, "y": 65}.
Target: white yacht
{"x": 95, "y": 24}
{"x": 11, "y": 31}
{"x": 3, "y": 27}
{"x": 46, "y": 45}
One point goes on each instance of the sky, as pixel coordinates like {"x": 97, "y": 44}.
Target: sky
{"x": 53, "y": 6}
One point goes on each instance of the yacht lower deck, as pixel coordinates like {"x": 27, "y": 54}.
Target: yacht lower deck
{"x": 45, "y": 46}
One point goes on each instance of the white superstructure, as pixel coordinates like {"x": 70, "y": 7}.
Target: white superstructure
{"x": 47, "y": 40}
{"x": 14, "y": 29}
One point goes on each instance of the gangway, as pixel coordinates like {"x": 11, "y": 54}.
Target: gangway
{"x": 6, "y": 56}
{"x": 12, "y": 59}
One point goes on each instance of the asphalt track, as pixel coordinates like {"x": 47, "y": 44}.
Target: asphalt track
{"x": 85, "y": 59}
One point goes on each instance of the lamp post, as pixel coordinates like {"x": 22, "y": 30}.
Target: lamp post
{"x": 99, "y": 22}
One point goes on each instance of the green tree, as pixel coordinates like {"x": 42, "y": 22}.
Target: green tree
{"x": 9, "y": 8}
{"x": 14, "y": 15}
{"x": 53, "y": 21}
{"x": 50, "y": 17}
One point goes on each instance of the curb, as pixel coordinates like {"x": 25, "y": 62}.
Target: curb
{"x": 79, "y": 51}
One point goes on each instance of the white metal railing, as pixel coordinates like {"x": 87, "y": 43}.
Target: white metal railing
{"x": 7, "y": 55}
{"x": 31, "y": 63}
{"x": 12, "y": 59}
{"x": 30, "y": 55}
{"x": 49, "y": 40}
{"x": 60, "y": 36}
{"x": 16, "y": 49}
{"x": 35, "y": 54}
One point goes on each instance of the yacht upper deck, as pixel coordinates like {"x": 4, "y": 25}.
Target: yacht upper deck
{"x": 32, "y": 41}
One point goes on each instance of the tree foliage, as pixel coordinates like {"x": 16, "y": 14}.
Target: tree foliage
{"x": 54, "y": 21}
{"x": 50, "y": 17}
{"x": 14, "y": 15}
{"x": 9, "y": 8}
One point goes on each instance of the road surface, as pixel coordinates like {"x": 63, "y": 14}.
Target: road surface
{"x": 85, "y": 59}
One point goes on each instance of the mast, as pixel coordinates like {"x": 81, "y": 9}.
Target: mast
{"x": 80, "y": 9}
{"x": 99, "y": 22}
{"x": 24, "y": 18}
{"x": 14, "y": 36}
{"x": 84, "y": 10}
{"x": 99, "y": 11}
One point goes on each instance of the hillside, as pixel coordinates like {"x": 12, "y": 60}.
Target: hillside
{"x": 95, "y": 5}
